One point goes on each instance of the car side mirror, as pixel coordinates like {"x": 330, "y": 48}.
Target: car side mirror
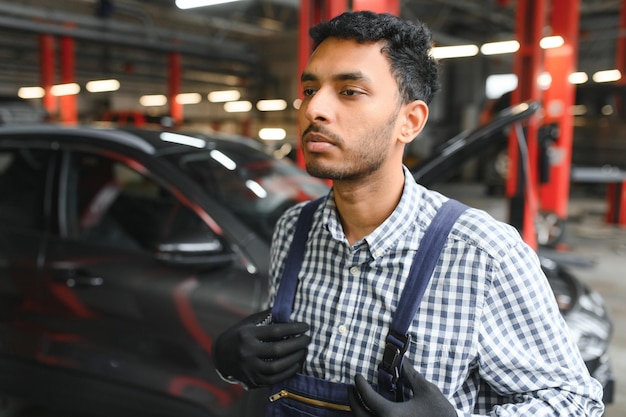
{"x": 194, "y": 250}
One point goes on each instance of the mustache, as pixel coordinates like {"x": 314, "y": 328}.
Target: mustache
{"x": 322, "y": 131}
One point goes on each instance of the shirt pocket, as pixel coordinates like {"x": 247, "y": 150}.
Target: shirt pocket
{"x": 439, "y": 363}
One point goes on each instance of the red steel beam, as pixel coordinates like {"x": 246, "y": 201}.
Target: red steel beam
{"x": 521, "y": 187}
{"x": 46, "y": 72}
{"x": 558, "y": 100}
{"x": 176, "y": 109}
{"x": 68, "y": 108}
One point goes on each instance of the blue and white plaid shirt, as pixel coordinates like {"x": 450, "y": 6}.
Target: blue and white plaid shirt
{"x": 488, "y": 331}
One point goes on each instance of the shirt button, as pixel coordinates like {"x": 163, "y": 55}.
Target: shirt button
{"x": 354, "y": 270}
{"x": 342, "y": 329}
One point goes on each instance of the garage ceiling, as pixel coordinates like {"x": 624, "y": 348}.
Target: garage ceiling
{"x": 249, "y": 43}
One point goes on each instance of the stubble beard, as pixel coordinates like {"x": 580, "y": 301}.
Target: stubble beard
{"x": 360, "y": 161}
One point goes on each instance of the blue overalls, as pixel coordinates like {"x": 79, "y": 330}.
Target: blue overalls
{"x": 303, "y": 395}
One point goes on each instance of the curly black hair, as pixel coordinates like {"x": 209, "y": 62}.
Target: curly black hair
{"x": 407, "y": 46}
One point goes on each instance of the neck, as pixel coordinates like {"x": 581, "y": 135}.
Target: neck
{"x": 363, "y": 205}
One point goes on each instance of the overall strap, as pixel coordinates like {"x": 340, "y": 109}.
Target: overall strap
{"x": 422, "y": 268}
{"x": 285, "y": 296}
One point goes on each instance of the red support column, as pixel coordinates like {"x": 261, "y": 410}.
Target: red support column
{"x": 68, "y": 110}
{"x": 558, "y": 100}
{"x": 176, "y": 109}
{"x": 521, "y": 187}
{"x": 46, "y": 72}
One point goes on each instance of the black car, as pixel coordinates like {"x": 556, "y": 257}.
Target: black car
{"x": 123, "y": 253}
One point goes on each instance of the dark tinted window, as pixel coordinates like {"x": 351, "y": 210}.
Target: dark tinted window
{"x": 256, "y": 187}
{"x": 111, "y": 203}
{"x": 22, "y": 180}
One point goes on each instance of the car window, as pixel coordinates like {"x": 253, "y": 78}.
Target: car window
{"x": 254, "y": 186}
{"x": 110, "y": 202}
{"x": 22, "y": 181}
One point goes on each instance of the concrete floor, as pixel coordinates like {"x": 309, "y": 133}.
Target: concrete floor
{"x": 587, "y": 235}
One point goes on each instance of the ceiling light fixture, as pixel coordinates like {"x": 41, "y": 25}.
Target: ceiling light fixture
{"x": 551, "y": 42}
{"x": 188, "y": 98}
{"x": 101, "y": 86}
{"x": 459, "y": 51}
{"x": 607, "y": 76}
{"x": 272, "y": 133}
{"x": 271, "y": 105}
{"x": 153, "y": 100}
{"x": 190, "y": 4}
{"x": 578, "y": 78}
{"x": 497, "y": 48}
{"x": 69, "y": 89}
{"x": 31, "y": 92}
{"x": 223, "y": 96}
{"x": 237, "y": 106}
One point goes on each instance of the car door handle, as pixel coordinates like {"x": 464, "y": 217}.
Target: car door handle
{"x": 77, "y": 278}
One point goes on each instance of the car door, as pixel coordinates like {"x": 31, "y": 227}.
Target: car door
{"x": 23, "y": 189}
{"x": 126, "y": 306}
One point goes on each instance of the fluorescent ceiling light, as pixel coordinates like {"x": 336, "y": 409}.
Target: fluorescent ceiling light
{"x": 237, "y": 106}
{"x": 499, "y": 84}
{"x": 183, "y": 139}
{"x": 101, "y": 86}
{"x": 459, "y": 51}
{"x": 65, "y": 89}
{"x": 297, "y": 103}
{"x": 269, "y": 133}
{"x": 550, "y": 42}
{"x": 607, "y": 76}
{"x": 223, "y": 96}
{"x": 188, "y": 98}
{"x": 495, "y": 48}
{"x": 271, "y": 105}
{"x": 153, "y": 100}
{"x": 544, "y": 80}
{"x": 578, "y": 78}
{"x": 31, "y": 92}
{"x": 190, "y": 4}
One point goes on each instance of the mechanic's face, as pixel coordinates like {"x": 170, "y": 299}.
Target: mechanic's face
{"x": 349, "y": 113}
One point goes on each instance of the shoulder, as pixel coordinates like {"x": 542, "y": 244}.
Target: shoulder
{"x": 474, "y": 228}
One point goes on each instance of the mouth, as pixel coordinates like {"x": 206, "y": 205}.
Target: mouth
{"x": 315, "y": 142}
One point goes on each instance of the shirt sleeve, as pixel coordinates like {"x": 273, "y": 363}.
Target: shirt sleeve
{"x": 525, "y": 350}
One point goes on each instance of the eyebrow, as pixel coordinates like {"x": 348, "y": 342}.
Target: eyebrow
{"x": 348, "y": 76}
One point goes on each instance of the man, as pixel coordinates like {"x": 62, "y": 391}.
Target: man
{"x": 487, "y": 338}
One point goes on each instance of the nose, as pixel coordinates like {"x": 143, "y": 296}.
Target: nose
{"x": 317, "y": 107}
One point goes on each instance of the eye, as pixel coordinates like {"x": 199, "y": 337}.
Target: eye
{"x": 307, "y": 92}
{"x": 350, "y": 93}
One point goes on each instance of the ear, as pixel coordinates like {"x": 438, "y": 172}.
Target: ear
{"x": 415, "y": 117}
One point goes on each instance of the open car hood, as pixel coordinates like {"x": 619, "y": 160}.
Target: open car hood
{"x": 448, "y": 157}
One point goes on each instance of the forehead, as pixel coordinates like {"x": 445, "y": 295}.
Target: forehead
{"x": 339, "y": 56}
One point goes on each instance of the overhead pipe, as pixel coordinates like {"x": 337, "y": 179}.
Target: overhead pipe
{"x": 94, "y": 29}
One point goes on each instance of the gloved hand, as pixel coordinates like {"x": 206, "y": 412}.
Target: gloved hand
{"x": 258, "y": 354}
{"x": 427, "y": 400}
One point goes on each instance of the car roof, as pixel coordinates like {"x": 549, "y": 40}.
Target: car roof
{"x": 149, "y": 141}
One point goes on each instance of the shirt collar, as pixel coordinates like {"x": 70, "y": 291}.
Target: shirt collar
{"x": 386, "y": 235}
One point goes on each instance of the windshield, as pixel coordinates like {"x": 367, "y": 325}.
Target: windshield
{"x": 256, "y": 187}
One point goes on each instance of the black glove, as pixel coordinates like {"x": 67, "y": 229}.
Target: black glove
{"x": 427, "y": 400}
{"x": 257, "y": 354}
